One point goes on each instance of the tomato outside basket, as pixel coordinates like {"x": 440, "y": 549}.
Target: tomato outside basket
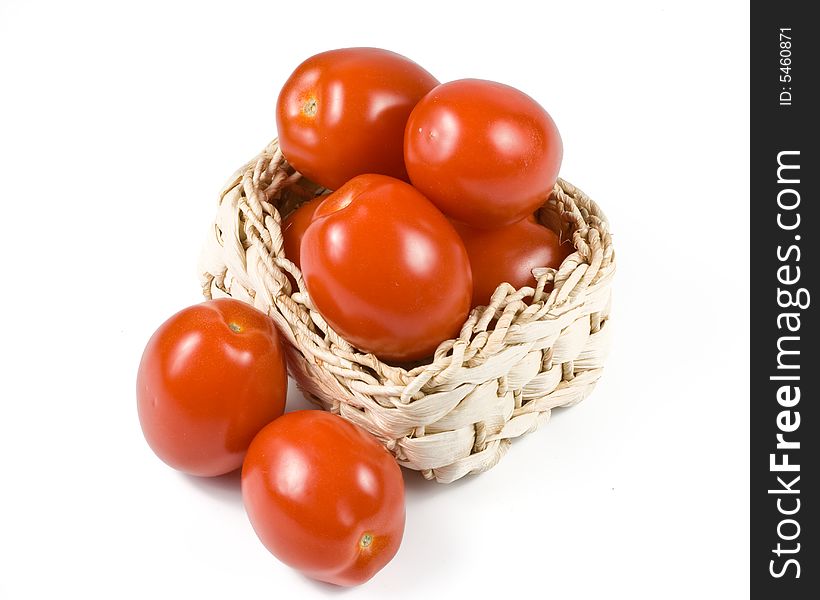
{"x": 531, "y": 350}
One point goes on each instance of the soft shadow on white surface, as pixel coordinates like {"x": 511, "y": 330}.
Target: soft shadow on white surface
{"x": 225, "y": 488}
{"x": 327, "y": 589}
{"x": 296, "y": 399}
{"x": 416, "y": 486}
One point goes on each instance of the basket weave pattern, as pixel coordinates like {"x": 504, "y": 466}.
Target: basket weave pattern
{"x": 529, "y": 351}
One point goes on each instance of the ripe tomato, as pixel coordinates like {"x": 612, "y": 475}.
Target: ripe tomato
{"x": 509, "y": 254}
{"x": 324, "y": 497}
{"x": 294, "y": 226}
{"x": 485, "y": 153}
{"x": 342, "y": 113}
{"x": 210, "y": 378}
{"x": 386, "y": 269}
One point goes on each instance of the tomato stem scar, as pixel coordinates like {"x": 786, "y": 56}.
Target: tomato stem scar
{"x": 366, "y": 540}
{"x": 309, "y": 107}
{"x": 234, "y": 327}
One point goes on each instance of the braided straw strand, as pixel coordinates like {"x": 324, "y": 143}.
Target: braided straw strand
{"x": 529, "y": 351}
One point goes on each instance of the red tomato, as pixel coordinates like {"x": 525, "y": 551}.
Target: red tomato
{"x": 509, "y": 254}
{"x": 294, "y": 226}
{"x": 342, "y": 113}
{"x": 324, "y": 497}
{"x": 210, "y": 378}
{"x": 386, "y": 269}
{"x": 486, "y": 154}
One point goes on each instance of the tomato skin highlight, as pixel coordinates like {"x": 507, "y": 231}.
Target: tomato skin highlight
{"x": 294, "y": 226}
{"x": 210, "y": 378}
{"x": 342, "y": 113}
{"x": 509, "y": 254}
{"x": 386, "y": 269}
{"x": 485, "y": 153}
{"x": 324, "y": 497}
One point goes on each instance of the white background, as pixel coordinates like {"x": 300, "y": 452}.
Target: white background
{"x": 119, "y": 122}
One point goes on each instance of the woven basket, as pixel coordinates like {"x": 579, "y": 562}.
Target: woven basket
{"x": 529, "y": 351}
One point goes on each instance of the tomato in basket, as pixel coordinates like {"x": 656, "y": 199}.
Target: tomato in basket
{"x": 294, "y": 226}
{"x": 210, "y": 378}
{"x": 386, "y": 269}
{"x": 485, "y": 153}
{"x": 342, "y": 113}
{"x": 324, "y": 497}
{"x": 509, "y": 254}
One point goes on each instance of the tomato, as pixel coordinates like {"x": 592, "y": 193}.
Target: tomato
{"x": 294, "y": 226}
{"x": 509, "y": 254}
{"x": 342, "y": 113}
{"x": 484, "y": 153}
{"x": 386, "y": 269}
{"x": 324, "y": 497}
{"x": 210, "y": 378}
